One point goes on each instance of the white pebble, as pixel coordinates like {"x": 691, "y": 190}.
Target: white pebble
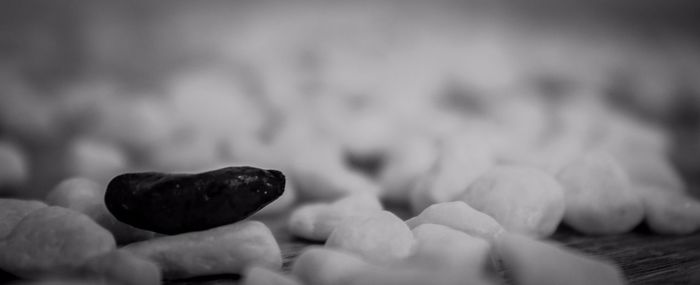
{"x": 194, "y": 151}
{"x": 575, "y": 124}
{"x": 326, "y": 266}
{"x": 76, "y": 193}
{"x": 141, "y": 122}
{"x": 121, "y": 267}
{"x": 410, "y": 275}
{"x": 226, "y": 249}
{"x": 521, "y": 199}
{"x": 362, "y": 133}
{"x": 404, "y": 164}
{"x": 317, "y": 221}
{"x": 52, "y": 240}
{"x": 598, "y": 196}
{"x": 14, "y": 167}
{"x": 523, "y": 117}
{"x": 12, "y": 211}
{"x": 320, "y": 172}
{"x": 65, "y": 281}
{"x": 459, "y": 216}
{"x": 532, "y": 262}
{"x": 670, "y": 212}
{"x": 95, "y": 159}
{"x": 442, "y": 256}
{"x": 213, "y": 100}
{"x": 25, "y": 114}
{"x": 652, "y": 170}
{"x": 443, "y": 248}
{"x": 461, "y": 160}
{"x": 257, "y": 275}
{"x": 381, "y": 237}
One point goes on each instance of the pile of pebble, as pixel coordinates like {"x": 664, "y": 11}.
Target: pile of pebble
{"x": 491, "y": 139}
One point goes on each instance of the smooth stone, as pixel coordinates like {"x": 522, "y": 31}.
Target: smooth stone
{"x": 223, "y": 250}
{"x": 179, "y": 203}
{"x": 12, "y": 211}
{"x": 258, "y": 275}
{"x": 52, "y": 241}
{"x": 122, "y": 267}
{"x": 529, "y": 261}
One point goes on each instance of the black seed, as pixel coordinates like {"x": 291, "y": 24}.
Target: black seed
{"x": 178, "y": 203}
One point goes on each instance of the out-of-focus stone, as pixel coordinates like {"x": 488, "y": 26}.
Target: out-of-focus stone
{"x": 598, "y": 196}
{"x": 461, "y": 160}
{"x": 531, "y": 262}
{"x": 459, "y": 216}
{"x": 14, "y": 167}
{"x": 317, "y": 221}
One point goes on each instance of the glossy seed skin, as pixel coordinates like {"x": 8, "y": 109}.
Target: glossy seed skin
{"x": 178, "y": 203}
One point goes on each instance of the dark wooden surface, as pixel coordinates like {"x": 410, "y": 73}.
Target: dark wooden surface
{"x": 645, "y": 258}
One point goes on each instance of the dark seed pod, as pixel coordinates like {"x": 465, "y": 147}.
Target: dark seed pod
{"x": 178, "y": 203}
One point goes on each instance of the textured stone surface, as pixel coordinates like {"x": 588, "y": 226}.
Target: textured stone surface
{"x": 223, "y": 250}
{"x": 12, "y": 211}
{"x": 258, "y": 275}
{"x": 599, "y": 199}
{"x": 459, "y": 216}
{"x": 522, "y": 199}
{"x": 122, "y": 267}
{"x": 316, "y": 221}
{"x": 326, "y": 266}
{"x": 178, "y": 203}
{"x": 381, "y": 238}
{"x": 52, "y": 240}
